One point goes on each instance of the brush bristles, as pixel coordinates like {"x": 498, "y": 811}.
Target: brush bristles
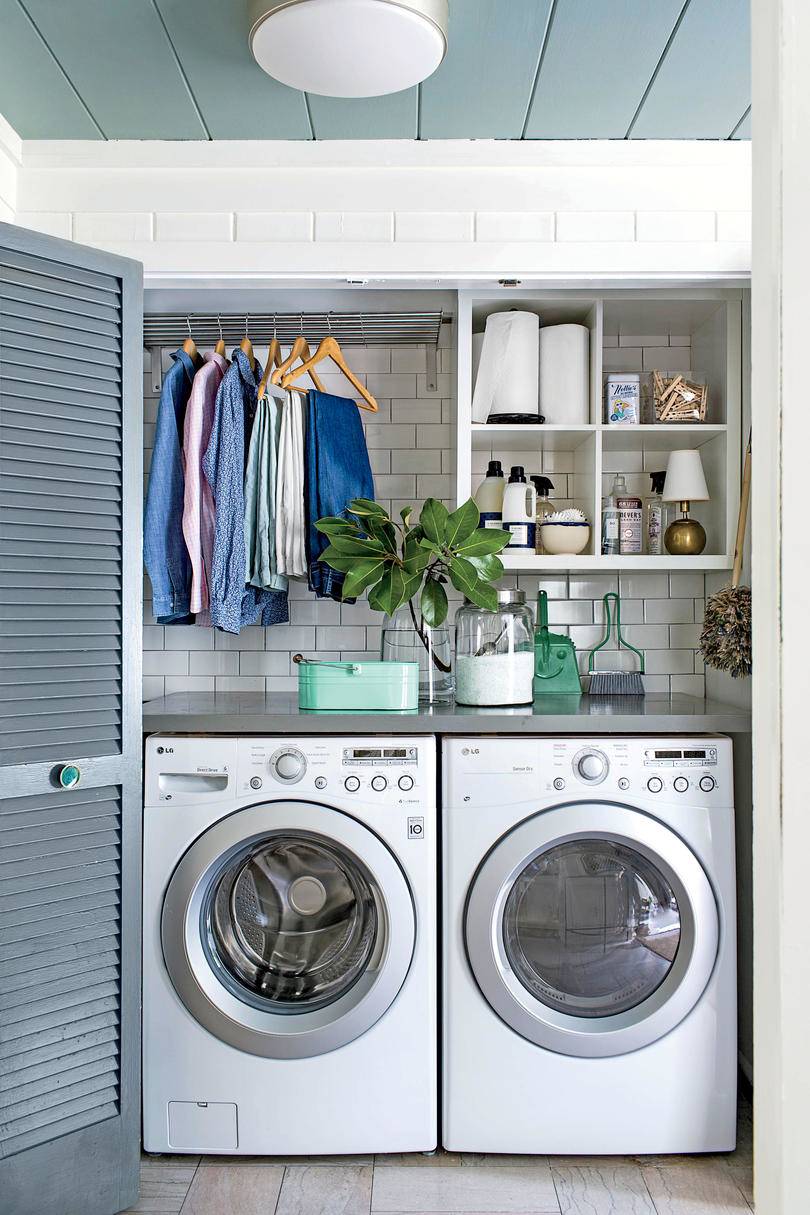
{"x": 616, "y": 683}
{"x": 725, "y": 642}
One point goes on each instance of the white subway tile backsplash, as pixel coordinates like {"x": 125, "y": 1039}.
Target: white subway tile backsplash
{"x": 669, "y": 611}
{"x": 734, "y": 225}
{"x": 411, "y": 444}
{"x": 213, "y": 662}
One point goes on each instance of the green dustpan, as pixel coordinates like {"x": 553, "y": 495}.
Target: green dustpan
{"x": 555, "y": 658}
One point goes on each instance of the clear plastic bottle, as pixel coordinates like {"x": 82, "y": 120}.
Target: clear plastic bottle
{"x": 610, "y": 517}
{"x": 544, "y": 507}
{"x": 655, "y": 521}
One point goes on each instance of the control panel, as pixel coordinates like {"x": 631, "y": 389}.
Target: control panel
{"x": 684, "y": 771}
{"x": 184, "y": 770}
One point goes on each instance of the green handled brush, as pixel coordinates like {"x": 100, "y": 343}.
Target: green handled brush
{"x": 615, "y": 683}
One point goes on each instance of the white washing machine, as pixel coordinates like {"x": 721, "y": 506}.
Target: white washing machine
{"x": 289, "y": 985}
{"x": 589, "y": 945}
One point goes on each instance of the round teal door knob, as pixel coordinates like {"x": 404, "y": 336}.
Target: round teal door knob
{"x": 69, "y": 776}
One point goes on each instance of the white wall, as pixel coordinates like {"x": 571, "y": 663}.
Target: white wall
{"x": 454, "y": 209}
{"x": 781, "y": 583}
{"x": 10, "y": 159}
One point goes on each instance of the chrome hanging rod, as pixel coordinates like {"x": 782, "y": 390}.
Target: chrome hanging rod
{"x": 350, "y": 328}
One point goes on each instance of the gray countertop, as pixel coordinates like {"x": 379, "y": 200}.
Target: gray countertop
{"x": 253, "y": 713}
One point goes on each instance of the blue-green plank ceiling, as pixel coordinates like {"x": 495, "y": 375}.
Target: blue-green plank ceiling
{"x": 515, "y": 69}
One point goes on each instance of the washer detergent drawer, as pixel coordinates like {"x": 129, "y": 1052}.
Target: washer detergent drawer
{"x": 203, "y": 1126}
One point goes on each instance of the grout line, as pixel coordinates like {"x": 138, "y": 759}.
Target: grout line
{"x": 182, "y": 71}
{"x": 657, "y": 69}
{"x": 280, "y": 1189}
{"x": 541, "y": 56}
{"x": 67, "y": 78}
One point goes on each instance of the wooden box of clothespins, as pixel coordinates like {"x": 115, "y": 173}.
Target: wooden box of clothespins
{"x": 677, "y": 399}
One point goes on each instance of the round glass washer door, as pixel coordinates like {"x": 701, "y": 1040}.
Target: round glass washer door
{"x": 592, "y": 930}
{"x": 288, "y": 929}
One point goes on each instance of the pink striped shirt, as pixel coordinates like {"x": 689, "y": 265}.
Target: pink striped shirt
{"x": 198, "y": 501}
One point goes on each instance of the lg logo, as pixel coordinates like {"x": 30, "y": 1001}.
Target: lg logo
{"x": 167, "y": 750}
{"x": 470, "y": 750}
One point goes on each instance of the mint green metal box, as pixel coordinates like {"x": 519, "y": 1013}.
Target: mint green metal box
{"x": 345, "y": 686}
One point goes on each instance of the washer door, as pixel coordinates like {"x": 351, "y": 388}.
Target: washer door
{"x": 591, "y": 929}
{"x": 288, "y": 929}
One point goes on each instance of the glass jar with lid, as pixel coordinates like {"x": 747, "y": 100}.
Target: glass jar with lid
{"x": 495, "y": 652}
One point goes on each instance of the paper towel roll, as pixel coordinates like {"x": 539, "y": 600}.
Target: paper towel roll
{"x": 565, "y": 374}
{"x": 508, "y": 373}
{"x": 477, "y": 344}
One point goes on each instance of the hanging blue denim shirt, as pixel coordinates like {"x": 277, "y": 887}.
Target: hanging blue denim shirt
{"x": 336, "y": 469}
{"x": 233, "y": 604}
{"x": 164, "y": 548}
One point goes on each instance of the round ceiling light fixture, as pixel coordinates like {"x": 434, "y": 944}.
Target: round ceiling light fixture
{"x": 349, "y": 48}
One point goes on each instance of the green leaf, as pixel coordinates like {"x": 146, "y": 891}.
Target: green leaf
{"x": 341, "y": 564}
{"x": 464, "y": 578}
{"x": 362, "y": 575}
{"x": 431, "y": 547}
{"x": 490, "y": 568}
{"x": 414, "y": 558}
{"x": 483, "y": 541}
{"x": 353, "y": 546}
{"x": 433, "y": 518}
{"x": 405, "y": 514}
{"x": 334, "y": 525}
{"x": 394, "y": 588}
{"x": 366, "y": 507}
{"x": 433, "y": 603}
{"x": 384, "y": 531}
{"x": 461, "y": 524}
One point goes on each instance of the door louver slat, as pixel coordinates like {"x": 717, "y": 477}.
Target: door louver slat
{"x": 58, "y": 839}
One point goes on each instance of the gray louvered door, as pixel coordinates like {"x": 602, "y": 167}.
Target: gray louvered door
{"x": 70, "y": 573}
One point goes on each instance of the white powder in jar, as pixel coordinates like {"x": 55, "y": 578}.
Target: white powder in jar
{"x": 495, "y": 679}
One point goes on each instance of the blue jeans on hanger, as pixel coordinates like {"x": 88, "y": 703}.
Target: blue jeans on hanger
{"x": 336, "y": 469}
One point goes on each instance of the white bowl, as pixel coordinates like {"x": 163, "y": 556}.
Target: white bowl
{"x": 562, "y": 539}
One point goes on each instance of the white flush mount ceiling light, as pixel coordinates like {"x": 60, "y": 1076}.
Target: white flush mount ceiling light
{"x": 349, "y": 48}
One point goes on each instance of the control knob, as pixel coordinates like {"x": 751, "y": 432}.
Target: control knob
{"x": 378, "y": 783}
{"x": 707, "y": 783}
{"x": 405, "y": 783}
{"x": 352, "y": 784}
{"x": 288, "y": 765}
{"x": 655, "y": 784}
{"x": 591, "y": 766}
{"x": 680, "y": 784}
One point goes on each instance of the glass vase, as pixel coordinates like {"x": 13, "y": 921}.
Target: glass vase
{"x": 407, "y": 638}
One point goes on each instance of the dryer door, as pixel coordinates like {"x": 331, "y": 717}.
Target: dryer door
{"x": 288, "y": 929}
{"x": 591, "y": 929}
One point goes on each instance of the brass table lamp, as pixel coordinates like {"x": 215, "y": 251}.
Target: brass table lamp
{"x": 685, "y": 483}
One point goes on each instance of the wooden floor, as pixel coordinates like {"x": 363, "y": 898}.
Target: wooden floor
{"x": 447, "y": 1184}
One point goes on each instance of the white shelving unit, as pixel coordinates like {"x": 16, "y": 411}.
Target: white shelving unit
{"x": 703, "y": 331}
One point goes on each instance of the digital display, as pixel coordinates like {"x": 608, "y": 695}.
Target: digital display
{"x": 668, "y": 754}
{"x": 395, "y": 753}
{"x": 358, "y": 753}
{"x": 694, "y": 754}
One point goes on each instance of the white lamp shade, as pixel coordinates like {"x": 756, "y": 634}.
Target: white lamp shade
{"x": 349, "y": 48}
{"x": 685, "y": 481}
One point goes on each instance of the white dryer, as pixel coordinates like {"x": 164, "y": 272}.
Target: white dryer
{"x": 589, "y": 945}
{"x": 289, "y": 985}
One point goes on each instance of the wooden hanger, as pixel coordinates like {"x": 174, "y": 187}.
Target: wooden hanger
{"x": 190, "y": 346}
{"x": 330, "y": 349}
{"x": 300, "y": 350}
{"x": 273, "y": 361}
{"x": 219, "y": 349}
{"x": 246, "y": 346}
